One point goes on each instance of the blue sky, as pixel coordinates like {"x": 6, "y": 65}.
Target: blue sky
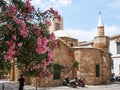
{"x": 81, "y": 16}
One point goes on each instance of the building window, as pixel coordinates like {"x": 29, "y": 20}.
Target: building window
{"x": 112, "y": 67}
{"x": 56, "y": 75}
{"x": 57, "y": 26}
{"x": 97, "y": 70}
{"x": 71, "y": 45}
{"x": 118, "y": 47}
{"x": 56, "y": 72}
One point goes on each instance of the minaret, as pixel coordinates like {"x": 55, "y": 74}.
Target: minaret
{"x": 100, "y": 26}
{"x": 101, "y": 41}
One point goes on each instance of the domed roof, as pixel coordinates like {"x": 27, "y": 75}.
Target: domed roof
{"x": 61, "y": 33}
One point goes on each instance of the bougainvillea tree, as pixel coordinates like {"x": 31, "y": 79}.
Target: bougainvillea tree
{"x": 24, "y": 35}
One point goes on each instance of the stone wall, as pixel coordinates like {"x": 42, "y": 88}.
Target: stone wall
{"x": 70, "y": 41}
{"x": 101, "y": 42}
{"x": 88, "y": 59}
{"x": 64, "y": 56}
{"x": 106, "y": 68}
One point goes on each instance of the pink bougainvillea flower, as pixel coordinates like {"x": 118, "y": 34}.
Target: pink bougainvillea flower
{"x": 51, "y": 10}
{"x": 28, "y": 4}
{"x": 50, "y": 54}
{"x": 12, "y": 10}
{"x": 24, "y": 32}
{"x": 52, "y": 36}
{"x": 39, "y": 41}
{"x": 35, "y": 27}
{"x": 41, "y": 49}
{"x": 36, "y": 30}
{"x": 20, "y": 44}
{"x": 29, "y": 7}
{"x": 56, "y": 13}
{"x": 23, "y": 26}
{"x": 48, "y": 23}
{"x": 9, "y": 42}
{"x": 10, "y": 25}
{"x": 47, "y": 61}
{"x": 7, "y": 57}
{"x": 24, "y": 14}
{"x": 9, "y": 54}
{"x": 44, "y": 41}
{"x": 45, "y": 64}
{"x": 49, "y": 57}
{"x": 14, "y": 37}
{"x": 17, "y": 20}
{"x": 12, "y": 46}
{"x": 59, "y": 17}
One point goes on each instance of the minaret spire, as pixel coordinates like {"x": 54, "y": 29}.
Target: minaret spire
{"x": 101, "y": 41}
{"x": 100, "y": 21}
{"x": 100, "y": 26}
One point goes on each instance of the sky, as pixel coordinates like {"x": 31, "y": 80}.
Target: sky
{"x": 81, "y": 16}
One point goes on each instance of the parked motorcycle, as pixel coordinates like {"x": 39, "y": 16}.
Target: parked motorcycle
{"x": 118, "y": 78}
{"x": 80, "y": 83}
{"x": 71, "y": 83}
{"x": 74, "y": 82}
{"x": 115, "y": 78}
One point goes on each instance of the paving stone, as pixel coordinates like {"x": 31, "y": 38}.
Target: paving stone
{"x": 14, "y": 86}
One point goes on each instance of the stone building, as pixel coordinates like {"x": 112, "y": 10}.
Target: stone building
{"x": 94, "y": 58}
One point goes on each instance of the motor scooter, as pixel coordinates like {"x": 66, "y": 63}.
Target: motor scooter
{"x": 70, "y": 83}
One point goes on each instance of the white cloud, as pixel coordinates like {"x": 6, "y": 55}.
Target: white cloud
{"x": 115, "y": 4}
{"x": 112, "y": 30}
{"x": 45, "y": 4}
{"x": 63, "y": 2}
{"x": 83, "y": 35}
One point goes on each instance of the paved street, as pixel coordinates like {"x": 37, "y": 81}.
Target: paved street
{"x": 8, "y": 85}
{"x": 115, "y": 86}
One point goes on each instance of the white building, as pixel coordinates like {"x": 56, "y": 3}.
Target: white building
{"x": 115, "y": 51}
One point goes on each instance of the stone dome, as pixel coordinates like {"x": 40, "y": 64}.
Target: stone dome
{"x": 61, "y": 33}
